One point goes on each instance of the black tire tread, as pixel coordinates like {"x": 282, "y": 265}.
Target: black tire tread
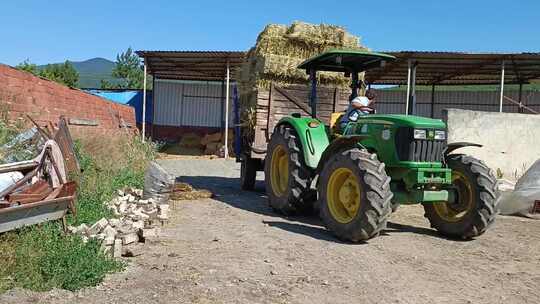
{"x": 376, "y": 185}
{"x": 299, "y": 174}
{"x": 486, "y": 209}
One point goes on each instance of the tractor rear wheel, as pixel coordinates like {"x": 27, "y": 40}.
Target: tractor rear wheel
{"x": 354, "y": 195}
{"x": 474, "y": 209}
{"x": 286, "y": 175}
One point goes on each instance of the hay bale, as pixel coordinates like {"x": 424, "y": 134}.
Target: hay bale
{"x": 191, "y": 140}
{"x": 212, "y": 148}
{"x": 208, "y": 138}
{"x": 274, "y": 59}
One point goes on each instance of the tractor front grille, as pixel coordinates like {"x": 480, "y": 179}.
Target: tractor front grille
{"x": 418, "y": 150}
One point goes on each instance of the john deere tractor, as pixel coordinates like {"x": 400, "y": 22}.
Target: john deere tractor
{"x": 356, "y": 175}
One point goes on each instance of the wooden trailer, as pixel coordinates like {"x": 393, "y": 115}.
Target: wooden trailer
{"x": 274, "y": 104}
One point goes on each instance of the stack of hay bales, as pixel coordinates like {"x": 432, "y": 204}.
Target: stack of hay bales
{"x": 213, "y": 143}
{"x": 276, "y": 55}
{"x": 280, "y": 49}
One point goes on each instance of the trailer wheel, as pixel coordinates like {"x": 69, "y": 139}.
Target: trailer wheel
{"x": 248, "y": 173}
{"x": 354, "y": 195}
{"x": 286, "y": 175}
{"x": 476, "y": 193}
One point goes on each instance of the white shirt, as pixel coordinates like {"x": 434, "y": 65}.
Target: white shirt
{"x": 353, "y": 113}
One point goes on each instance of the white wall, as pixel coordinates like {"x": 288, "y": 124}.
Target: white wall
{"x": 511, "y": 141}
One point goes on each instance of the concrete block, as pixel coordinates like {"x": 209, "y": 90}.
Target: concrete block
{"x": 129, "y": 238}
{"x": 138, "y": 225}
{"x": 98, "y": 226}
{"x": 109, "y": 232}
{"x": 72, "y": 229}
{"x": 149, "y": 233}
{"x": 114, "y": 222}
{"x": 108, "y": 241}
{"x": 122, "y": 207}
{"x": 117, "y": 248}
{"x": 140, "y": 213}
{"x": 116, "y": 201}
{"x": 81, "y": 229}
{"x": 163, "y": 213}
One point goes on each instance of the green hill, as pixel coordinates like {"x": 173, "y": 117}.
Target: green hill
{"x": 92, "y": 71}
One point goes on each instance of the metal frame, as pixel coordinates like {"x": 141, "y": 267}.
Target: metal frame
{"x": 192, "y": 65}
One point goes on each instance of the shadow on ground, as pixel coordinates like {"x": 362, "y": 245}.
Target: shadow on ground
{"x": 227, "y": 190}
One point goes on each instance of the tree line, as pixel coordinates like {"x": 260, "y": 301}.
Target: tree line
{"x": 127, "y": 73}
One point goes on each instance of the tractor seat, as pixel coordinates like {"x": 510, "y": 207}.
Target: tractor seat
{"x": 335, "y": 118}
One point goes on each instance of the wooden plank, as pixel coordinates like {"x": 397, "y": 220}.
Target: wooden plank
{"x": 65, "y": 142}
{"x": 19, "y": 166}
{"x": 270, "y": 117}
{"x": 293, "y": 99}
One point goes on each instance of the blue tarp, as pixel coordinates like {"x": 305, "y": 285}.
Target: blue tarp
{"x": 132, "y": 98}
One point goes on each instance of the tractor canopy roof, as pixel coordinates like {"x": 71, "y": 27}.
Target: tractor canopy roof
{"x": 339, "y": 60}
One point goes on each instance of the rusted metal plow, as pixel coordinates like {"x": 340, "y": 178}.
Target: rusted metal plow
{"x": 45, "y": 191}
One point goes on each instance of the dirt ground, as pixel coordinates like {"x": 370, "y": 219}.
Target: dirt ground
{"x": 234, "y": 249}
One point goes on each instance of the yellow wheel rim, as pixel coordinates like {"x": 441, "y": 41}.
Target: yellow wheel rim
{"x": 279, "y": 171}
{"x": 450, "y": 213}
{"x": 343, "y": 195}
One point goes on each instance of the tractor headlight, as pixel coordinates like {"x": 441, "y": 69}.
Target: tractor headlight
{"x": 440, "y": 135}
{"x": 419, "y": 134}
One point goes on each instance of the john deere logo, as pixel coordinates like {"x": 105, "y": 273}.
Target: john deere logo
{"x": 431, "y": 134}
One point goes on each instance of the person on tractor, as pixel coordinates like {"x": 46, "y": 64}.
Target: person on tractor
{"x": 360, "y": 105}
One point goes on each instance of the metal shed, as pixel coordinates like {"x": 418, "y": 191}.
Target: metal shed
{"x": 192, "y": 89}
{"x": 457, "y": 68}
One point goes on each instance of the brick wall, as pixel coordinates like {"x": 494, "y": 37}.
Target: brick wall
{"x": 23, "y": 93}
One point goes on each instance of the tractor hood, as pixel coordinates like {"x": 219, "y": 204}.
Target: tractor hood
{"x": 400, "y": 120}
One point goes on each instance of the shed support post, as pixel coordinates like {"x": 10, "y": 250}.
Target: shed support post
{"x": 409, "y": 63}
{"x": 313, "y": 93}
{"x": 520, "y": 96}
{"x": 144, "y": 105}
{"x": 410, "y": 107}
{"x": 153, "y": 107}
{"x": 433, "y": 101}
{"x": 226, "y": 135}
{"x": 502, "y": 88}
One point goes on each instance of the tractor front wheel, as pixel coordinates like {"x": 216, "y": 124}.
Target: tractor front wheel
{"x": 286, "y": 175}
{"x": 354, "y": 195}
{"x": 473, "y": 209}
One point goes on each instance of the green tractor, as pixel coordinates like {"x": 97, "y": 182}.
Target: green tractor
{"x": 358, "y": 175}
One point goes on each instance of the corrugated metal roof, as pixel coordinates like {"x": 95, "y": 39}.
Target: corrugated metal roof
{"x": 458, "y": 68}
{"x": 432, "y": 67}
{"x": 191, "y": 65}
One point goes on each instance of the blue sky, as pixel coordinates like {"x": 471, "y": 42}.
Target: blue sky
{"x": 52, "y": 31}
